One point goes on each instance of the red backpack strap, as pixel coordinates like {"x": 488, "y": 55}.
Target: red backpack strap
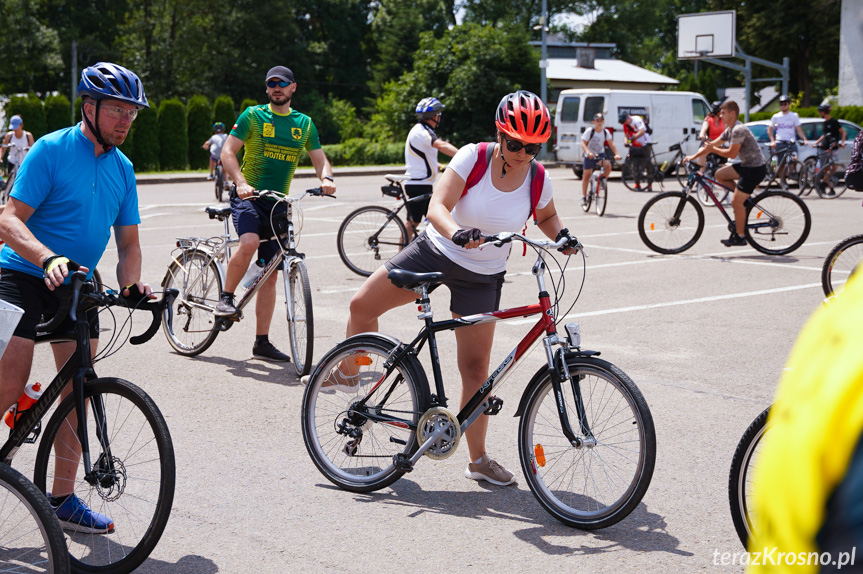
{"x": 484, "y": 151}
{"x": 537, "y": 180}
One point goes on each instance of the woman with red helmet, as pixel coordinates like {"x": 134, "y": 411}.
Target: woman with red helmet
{"x": 459, "y": 215}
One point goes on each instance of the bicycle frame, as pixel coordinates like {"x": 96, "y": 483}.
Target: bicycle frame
{"x": 697, "y": 178}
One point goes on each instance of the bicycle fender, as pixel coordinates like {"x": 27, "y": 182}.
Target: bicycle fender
{"x": 540, "y": 374}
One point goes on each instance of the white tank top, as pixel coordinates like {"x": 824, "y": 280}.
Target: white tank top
{"x": 16, "y": 155}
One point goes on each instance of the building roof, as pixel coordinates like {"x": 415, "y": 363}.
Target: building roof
{"x": 618, "y": 71}
{"x": 763, "y": 101}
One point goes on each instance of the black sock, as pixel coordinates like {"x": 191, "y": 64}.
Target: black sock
{"x": 261, "y": 339}
{"x": 58, "y": 500}
{"x": 227, "y": 296}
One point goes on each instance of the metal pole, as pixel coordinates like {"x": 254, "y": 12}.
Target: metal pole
{"x": 543, "y": 63}
{"x": 785, "y": 74}
{"x": 748, "y": 88}
{"x": 74, "y": 77}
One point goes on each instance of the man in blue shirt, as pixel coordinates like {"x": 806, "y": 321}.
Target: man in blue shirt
{"x": 72, "y": 188}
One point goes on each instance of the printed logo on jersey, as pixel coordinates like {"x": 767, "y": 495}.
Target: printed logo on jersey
{"x": 235, "y": 127}
{"x": 297, "y": 133}
{"x": 269, "y": 130}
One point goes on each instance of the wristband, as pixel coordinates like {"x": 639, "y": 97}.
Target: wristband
{"x": 329, "y": 178}
{"x": 51, "y": 263}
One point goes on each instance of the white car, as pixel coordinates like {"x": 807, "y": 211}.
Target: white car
{"x": 812, "y": 129}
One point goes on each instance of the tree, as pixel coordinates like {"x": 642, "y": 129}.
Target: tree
{"x": 58, "y": 112}
{"x": 199, "y": 122}
{"x": 224, "y": 111}
{"x": 145, "y": 131}
{"x": 173, "y": 142}
{"x": 29, "y": 49}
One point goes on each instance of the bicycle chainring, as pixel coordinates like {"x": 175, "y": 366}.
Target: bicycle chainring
{"x": 432, "y": 420}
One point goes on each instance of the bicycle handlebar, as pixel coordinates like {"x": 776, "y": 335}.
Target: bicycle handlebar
{"x": 499, "y": 239}
{"x": 269, "y": 193}
{"x": 80, "y": 286}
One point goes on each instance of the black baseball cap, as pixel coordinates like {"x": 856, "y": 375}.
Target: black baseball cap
{"x": 598, "y": 116}
{"x": 281, "y": 73}
{"x": 784, "y": 98}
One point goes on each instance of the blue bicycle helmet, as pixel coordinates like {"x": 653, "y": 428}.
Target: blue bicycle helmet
{"x": 428, "y": 108}
{"x": 106, "y": 81}
{"x": 219, "y": 127}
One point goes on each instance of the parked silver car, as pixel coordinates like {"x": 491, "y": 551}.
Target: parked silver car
{"x": 812, "y": 129}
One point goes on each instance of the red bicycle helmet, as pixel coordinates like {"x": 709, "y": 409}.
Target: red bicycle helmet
{"x": 523, "y": 116}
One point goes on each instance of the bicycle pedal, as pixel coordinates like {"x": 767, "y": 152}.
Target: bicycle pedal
{"x": 494, "y": 406}
{"x": 402, "y": 462}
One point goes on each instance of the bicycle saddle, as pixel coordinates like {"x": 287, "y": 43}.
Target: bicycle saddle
{"x": 218, "y": 211}
{"x": 394, "y": 178}
{"x": 411, "y": 280}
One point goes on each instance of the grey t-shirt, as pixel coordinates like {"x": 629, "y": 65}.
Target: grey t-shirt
{"x": 750, "y": 153}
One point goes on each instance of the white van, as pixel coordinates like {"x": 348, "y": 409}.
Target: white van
{"x": 671, "y": 115}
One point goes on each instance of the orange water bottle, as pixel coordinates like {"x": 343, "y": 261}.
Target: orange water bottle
{"x": 31, "y": 394}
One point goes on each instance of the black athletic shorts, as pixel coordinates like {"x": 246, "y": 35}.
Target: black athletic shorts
{"x": 471, "y": 293}
{"x": 253, "y": 216}
{"x": 750, "y": 177}
{"x": 32, "y": 295}
{"x": 417, "y": 209}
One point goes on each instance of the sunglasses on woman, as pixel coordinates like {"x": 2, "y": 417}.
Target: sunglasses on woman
{"x": 515, "y": 146}
{"x": 280, "y": 83}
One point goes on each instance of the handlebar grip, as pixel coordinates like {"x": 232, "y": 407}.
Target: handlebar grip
{"x": 319, "y": 192}
{"x": 156, "y": 308}
{"x": 67, "y": 304}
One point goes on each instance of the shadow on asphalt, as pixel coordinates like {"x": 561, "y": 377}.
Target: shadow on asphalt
{"x": 266, "y": 372}
{"x": 642, "y": 530}
{"x": 189, "y": 564}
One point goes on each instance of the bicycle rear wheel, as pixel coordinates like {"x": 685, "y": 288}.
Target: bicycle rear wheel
{"x": 587, "y": 199}
{"x": 807, "y": 177}
{"x": 133, "y": 473}
{"x": 300, "y": 318}
{"x": 777, "y": 222}
{"x": 635, "y": 172}
{"x": 833, "y": 186}
{"x": 349, "y": 442}
{"x": 193, "y": 327}
{"x": 600, "y": 482}
{"x": 671, "y": 222}
{"x": 31, "y": 539}
{"x": 369, "y": 237}
{"x": 740, "y": 478}
{"x": 842, "y": 262}
{"x": 601, "y": 196}
{"x": 220, "y": 183}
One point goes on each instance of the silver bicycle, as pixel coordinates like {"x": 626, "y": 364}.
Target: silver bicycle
{"x": 198, "y": 272}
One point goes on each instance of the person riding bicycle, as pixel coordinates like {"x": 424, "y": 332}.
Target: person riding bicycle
{"x": 833, "y": 135}
{"x": 593, "y": 143}
{"x": 808, "y": 494}
{"x": 20, "y": 138}
{"x": 73, "y": 187}
{"x": 421, "y": 149}
{"x": 743, "y": 177}
{"x": 711, "y": 128}
{"x": 784, "y": 126}
{"x": 458, "y": 219}
{"x": 635, "y": 132}
{"x": 214, "y": 146}
{"x": 274, "y": 136}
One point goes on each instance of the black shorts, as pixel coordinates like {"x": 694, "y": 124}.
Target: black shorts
{"x": 32, "y": 295}
{"x": 750, "y": 177}
{"x": 471, "y": 292}
{"x": 253, "y": 216}
{"x": 592, "y": 162}
{"x": 417, "y": 209}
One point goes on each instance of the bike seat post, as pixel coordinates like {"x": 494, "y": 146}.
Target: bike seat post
{"x": 424, "y": 303}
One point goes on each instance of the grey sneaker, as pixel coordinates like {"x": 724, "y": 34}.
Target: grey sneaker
{"x": 269, "y": 352}
{"x": 225, "y": 308}
{"x": 490, "y": 471}
{"x": 583, "y": 201}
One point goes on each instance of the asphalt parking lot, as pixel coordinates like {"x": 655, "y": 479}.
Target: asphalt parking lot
{"x": 704, "y": 335}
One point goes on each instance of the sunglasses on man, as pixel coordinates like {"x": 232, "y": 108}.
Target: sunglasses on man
{"x": 515, "y": 146}
{"x": 280, "y": 83}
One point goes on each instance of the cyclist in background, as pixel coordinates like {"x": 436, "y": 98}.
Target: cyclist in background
{"x": 809, "y": 481}
{"x": 20, "y": 138}
{"x": 274, "y": 136}
{"x": 832, "y": 134}
{"x": 421, "y": 150}
{"x": 783, "y": 129}
{"x": 593, "y": 143}
{"x": 214, "y": 146}
{"x": 711, "y": 128}
{"x": 72, "y": 189}
{"x": 635, "y": 132}
{"x": 742, "y": 177}
{"x": 458, "y": 219}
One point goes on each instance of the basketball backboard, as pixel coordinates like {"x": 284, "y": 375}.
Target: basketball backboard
{"x": 706, "y": 35}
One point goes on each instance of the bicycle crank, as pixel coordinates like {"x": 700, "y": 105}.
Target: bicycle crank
{"x": 443, "y": 424}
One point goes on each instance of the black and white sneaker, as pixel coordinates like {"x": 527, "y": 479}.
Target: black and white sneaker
{"x": 268, "y": 352}
{"x": 733, "y": 241}
{"x": 225, "y": 307}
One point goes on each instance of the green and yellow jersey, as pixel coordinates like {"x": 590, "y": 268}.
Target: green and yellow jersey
{"x": 274, "y": 143}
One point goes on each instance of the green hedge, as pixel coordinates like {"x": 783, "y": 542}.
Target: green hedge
{"x": 248, "y": 102}
{"x": 223, "y": 111}
{"x": 359, "y": 151}
{"x": 199, "y": 116}
{"x": 173, "y": 138}
{"x": 31, "y": 110}
{"x": 58, "y": 112}
{"x": 78, "y": 102}
{"x": 145, "y": 135}
{"x": 850, "y": 113}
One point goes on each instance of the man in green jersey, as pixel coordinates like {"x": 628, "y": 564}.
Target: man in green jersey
{"x": 274, "y": 136}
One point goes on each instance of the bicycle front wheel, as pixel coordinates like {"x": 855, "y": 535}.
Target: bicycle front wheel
{"x": 601, "y": 196}
{"x": 833, "y": 186}
{"x": 301, "y": 324}
{"x": 671, "y": 222}
{"x": 600, "y": 482}
{"x": 792, "y": 174}
{"x": 133, "y": 473}
{"x": 777, "y": 222}
{"x": 842, "y": 262}
{"x": 587, "y": 199}
{"x": 31, "y": 539}
{"x": 369, "y": 237}
{"x": 740, "y": 482}
{"x": 220, "y": 183}
{"x": 634, "y": 172}
{"x": 807, "y": 177}
{"x": 193, "y": 327}
{"x": 353, "y": 443}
